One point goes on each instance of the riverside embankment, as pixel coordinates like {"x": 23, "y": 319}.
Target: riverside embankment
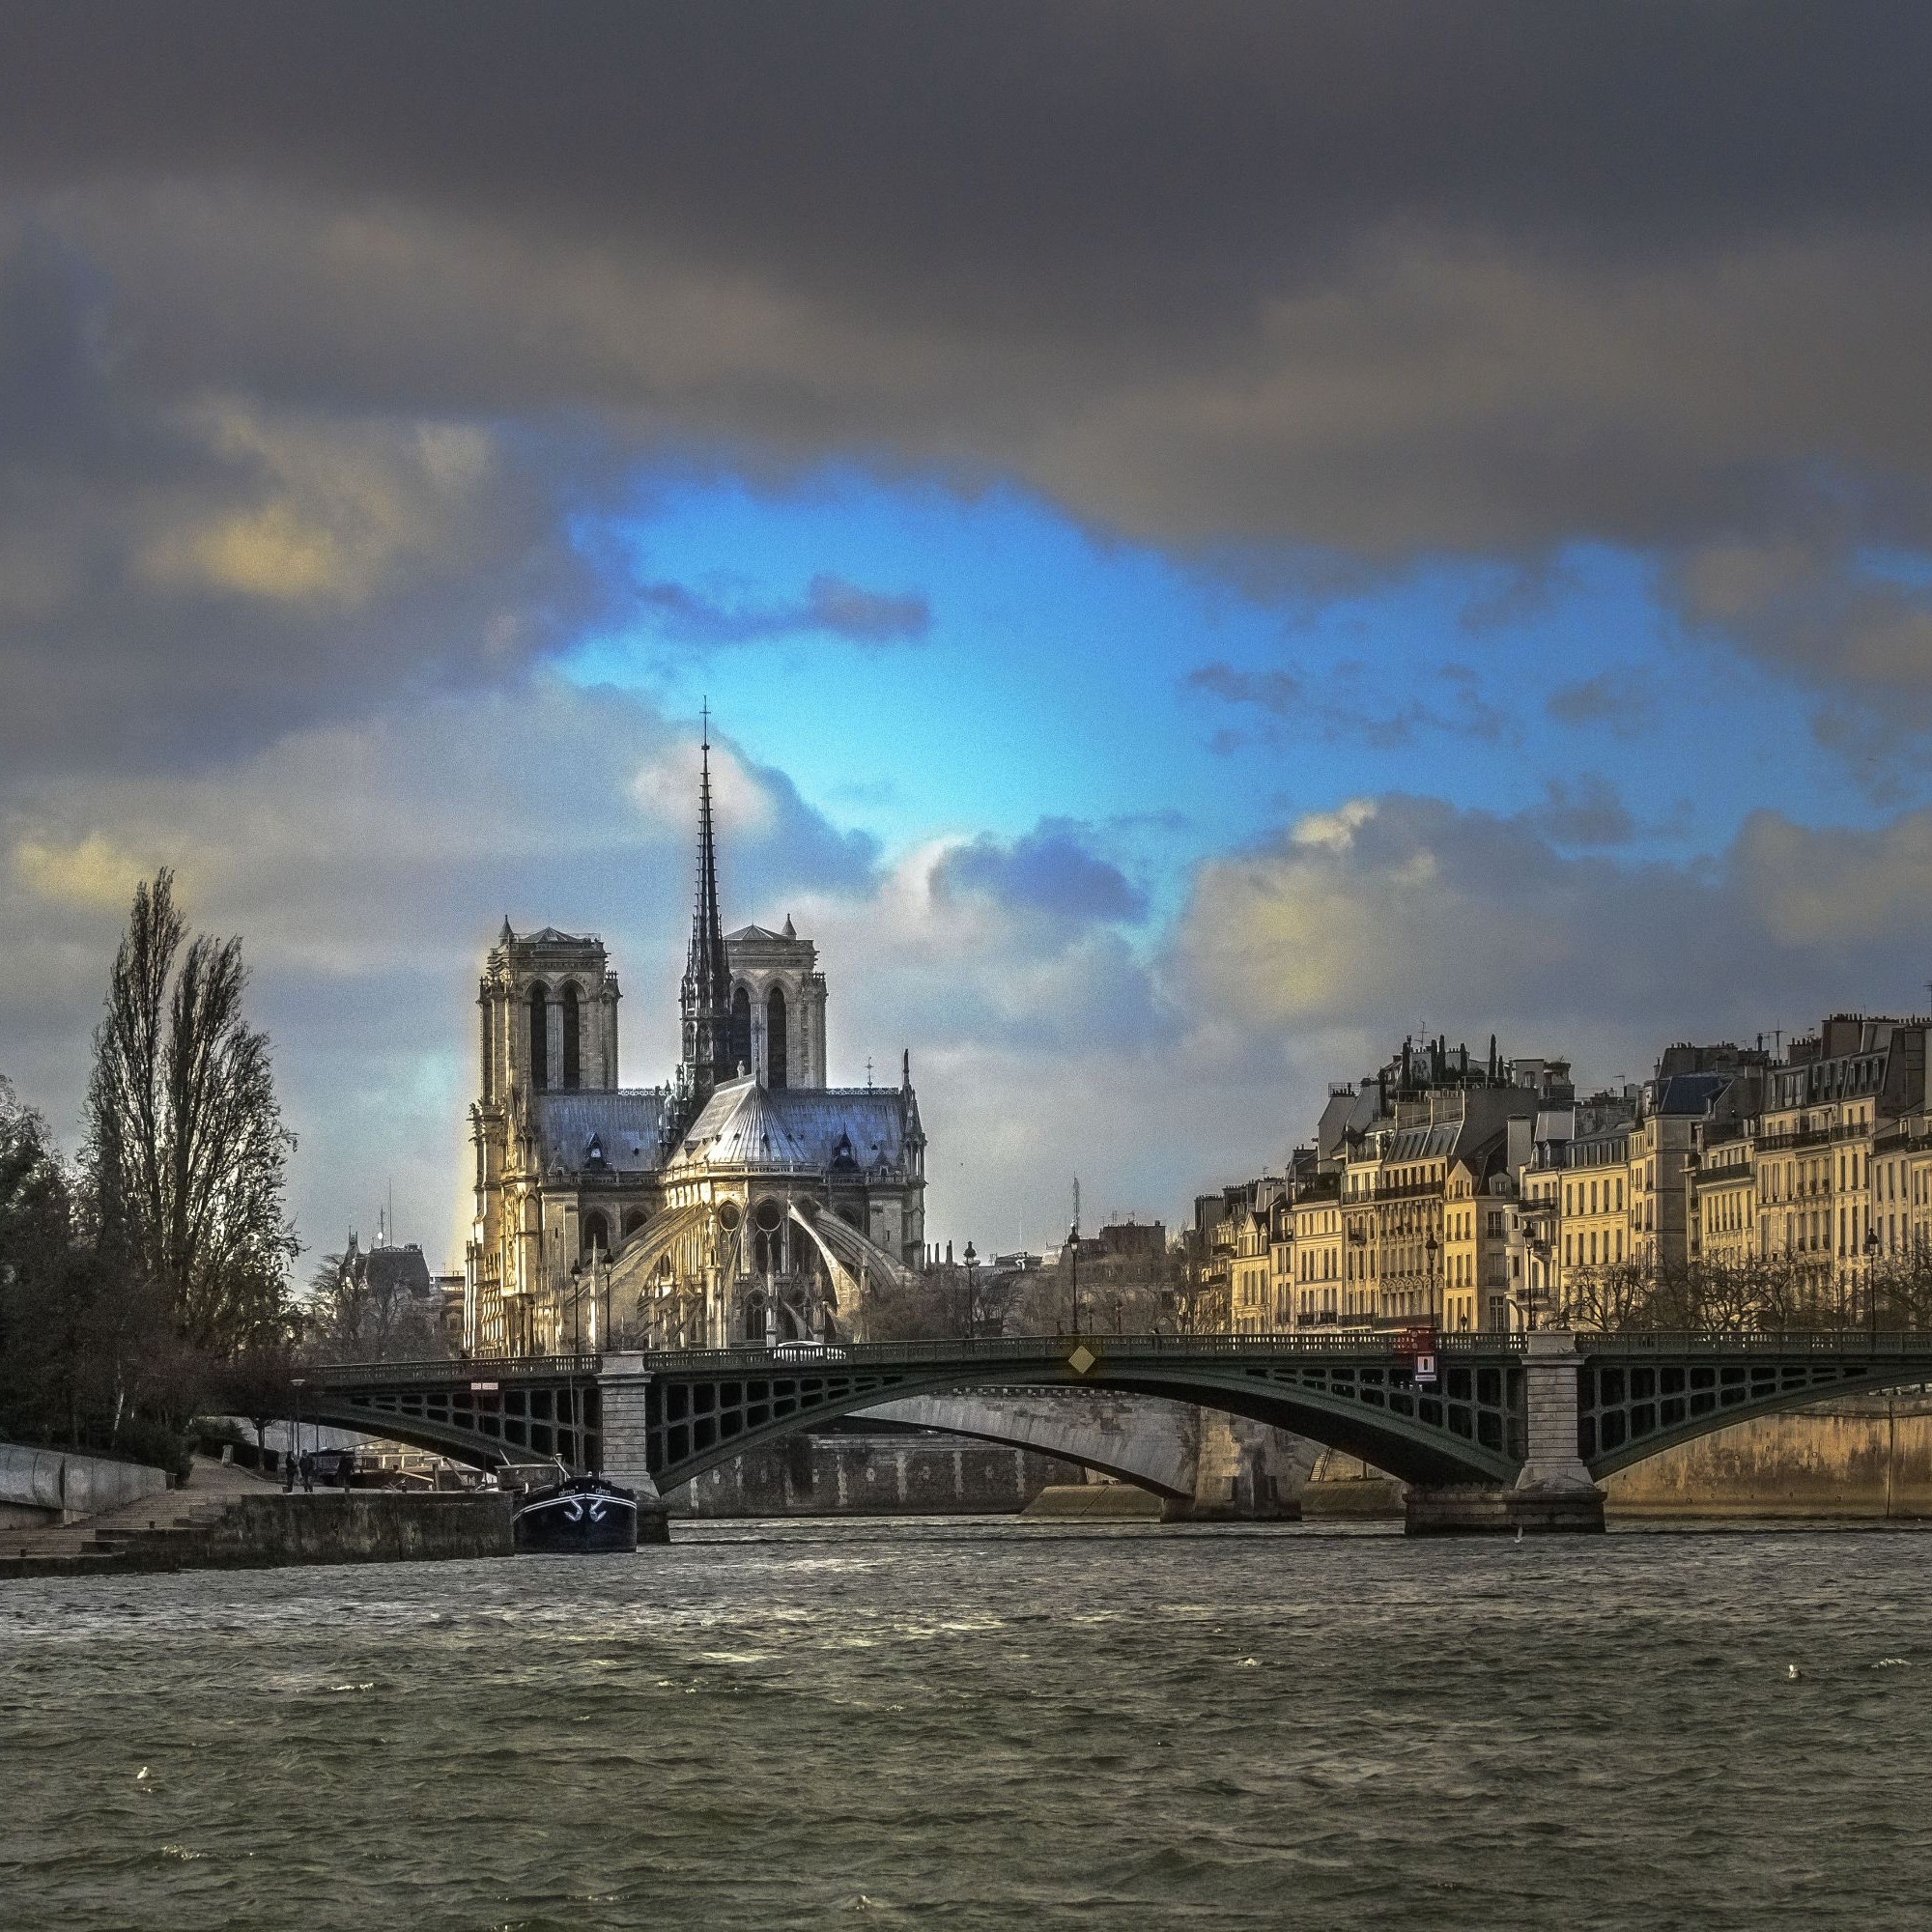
{"x": 226, "y": 1520}
{"x": 1860, "y": 1456}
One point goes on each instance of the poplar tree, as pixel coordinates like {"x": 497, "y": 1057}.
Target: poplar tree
{"x": 186, "y": 1148}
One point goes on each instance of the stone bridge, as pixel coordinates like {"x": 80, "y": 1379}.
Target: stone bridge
{"x": 1514, "y": 1431}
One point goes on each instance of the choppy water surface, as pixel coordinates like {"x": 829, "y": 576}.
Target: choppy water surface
{"x": 981, "y": 1725}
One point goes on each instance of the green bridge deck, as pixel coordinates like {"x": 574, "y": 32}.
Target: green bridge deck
{"x": 682, "y": 1413}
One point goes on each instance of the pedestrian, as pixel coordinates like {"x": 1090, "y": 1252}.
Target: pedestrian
{"x": 288, "y": 1472}
{"x": 308, "y": 1473}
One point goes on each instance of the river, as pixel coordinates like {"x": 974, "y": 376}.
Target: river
{"x": 967, "y": 1724}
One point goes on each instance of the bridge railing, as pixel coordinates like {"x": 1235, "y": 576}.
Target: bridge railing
{"x": 1036, "y": 1350}
{"x": 1855, "y": 1342}
{"x": 497, "y": 1368}
{"x": 1020, "y": 1350}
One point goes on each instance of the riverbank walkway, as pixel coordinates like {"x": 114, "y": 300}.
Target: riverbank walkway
{"x": 101, "y": 1542}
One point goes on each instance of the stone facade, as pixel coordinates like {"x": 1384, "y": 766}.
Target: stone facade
{"x": 742, "y": 1199}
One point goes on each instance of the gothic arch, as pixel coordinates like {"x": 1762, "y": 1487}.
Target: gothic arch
{"x": 539, "y": 1003}
{"x": 741, "y": 1030}
{"x": 596, "y": 1234}
{"x": 573, "y": 1066}
{"x": 775, "y": 1038}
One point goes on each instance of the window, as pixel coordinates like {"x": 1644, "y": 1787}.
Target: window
{"x": 572, "y": 1068}
{"x": 539, "y": 1037}
{"x": 740, "y": 1047}
{"x": 776, "y": 1050}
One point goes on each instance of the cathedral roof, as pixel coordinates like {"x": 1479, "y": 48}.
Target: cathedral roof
{"x": 742, "y": 1126}
{"x": 748, "y": 1124}
{"x": 625, "y": 1124}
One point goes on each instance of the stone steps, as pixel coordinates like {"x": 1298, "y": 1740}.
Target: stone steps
{"x": 78, "y": 1547}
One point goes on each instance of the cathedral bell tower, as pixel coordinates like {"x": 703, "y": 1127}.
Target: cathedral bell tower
{"x": 705, "y": 997}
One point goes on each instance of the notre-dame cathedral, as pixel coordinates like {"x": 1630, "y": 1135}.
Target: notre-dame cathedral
{"x": 746, "y": 1201}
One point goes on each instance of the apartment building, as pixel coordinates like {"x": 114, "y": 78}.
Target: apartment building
{"x": 1836, "y": 1128}
{"x": 1723, "y": 1200}
{"x": 1315, "y": 1251}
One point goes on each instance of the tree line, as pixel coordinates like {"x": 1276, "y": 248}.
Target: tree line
{"x": 1764, "y": 1293}
{"x": 148, "y": 1274}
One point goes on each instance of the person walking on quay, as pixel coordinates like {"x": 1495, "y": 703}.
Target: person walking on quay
{"x": 309, "y": 1474}
{"x": 288, "y": 1472}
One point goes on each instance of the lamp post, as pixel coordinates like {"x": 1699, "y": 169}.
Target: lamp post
{"x": 1074, "y": 1270}
{"x": 1542, "y": 1253}
{"x": 1871, "y": 1280}
{"x": 972, "y": 1291}
{"x": 1431, "y": 1248}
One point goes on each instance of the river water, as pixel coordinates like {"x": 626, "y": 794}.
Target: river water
{"x": 985, "y": 1724}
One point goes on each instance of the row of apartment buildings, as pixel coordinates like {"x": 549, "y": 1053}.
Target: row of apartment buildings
{"x": 1476, "y": 1195}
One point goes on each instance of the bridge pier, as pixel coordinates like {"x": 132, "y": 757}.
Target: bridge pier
{"x": 621, "y": 1384}
{"x": 1555, "y": 1493}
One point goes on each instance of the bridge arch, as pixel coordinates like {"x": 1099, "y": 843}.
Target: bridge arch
{"x": 1639, "y": 1397}
{"x": 698, "y": 1420}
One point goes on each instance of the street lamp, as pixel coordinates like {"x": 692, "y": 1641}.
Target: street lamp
{"x": 1074, "y": 1270}
{"x": 1542, "y": 1252}
{"x": 1431, "y": 1247}
{"x": 972, "y": 1291}
{"x": 1871, "y": 1280}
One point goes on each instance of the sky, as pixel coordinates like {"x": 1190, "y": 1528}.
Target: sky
{"x": 1214, "y": 538}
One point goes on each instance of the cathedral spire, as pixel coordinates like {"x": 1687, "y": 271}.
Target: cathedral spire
{"x": 706, "y": 994}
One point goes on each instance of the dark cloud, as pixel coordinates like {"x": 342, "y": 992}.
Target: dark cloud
{"x": 1622, "y": 700}
{"x": 975, "y": 153}
{"x": 831, "y": 606}
{"x": 185, "y": 574}
{"x": 1278, "y": 693}
{"x": 1586, "y": 811}
{"x": 1050, "y": 871}
{"x": 1358, "y": 281}
{"x": 1339, "y": 706}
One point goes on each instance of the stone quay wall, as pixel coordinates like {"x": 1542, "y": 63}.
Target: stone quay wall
{"x": 39, "y": 1487}
{"x": 352, "y": 1526}
{"x": 1861, "y": 1456}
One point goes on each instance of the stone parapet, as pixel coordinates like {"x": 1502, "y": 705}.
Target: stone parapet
{"x": 41, "y": 1486}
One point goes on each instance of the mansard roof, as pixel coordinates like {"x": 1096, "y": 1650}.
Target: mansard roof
{"x": 626, "y": 1123}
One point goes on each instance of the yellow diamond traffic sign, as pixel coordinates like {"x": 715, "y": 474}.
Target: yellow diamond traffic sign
{"x": 1082, "y": 1359}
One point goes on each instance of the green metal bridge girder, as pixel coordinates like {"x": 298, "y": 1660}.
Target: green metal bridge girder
{"x": 1638, "y": 1394}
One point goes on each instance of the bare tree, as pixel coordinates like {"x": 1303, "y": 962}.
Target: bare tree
{"x": 359, "y": 1310}
{"x": 186, "y": 1151}
{"x": 86, "y": 1353}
